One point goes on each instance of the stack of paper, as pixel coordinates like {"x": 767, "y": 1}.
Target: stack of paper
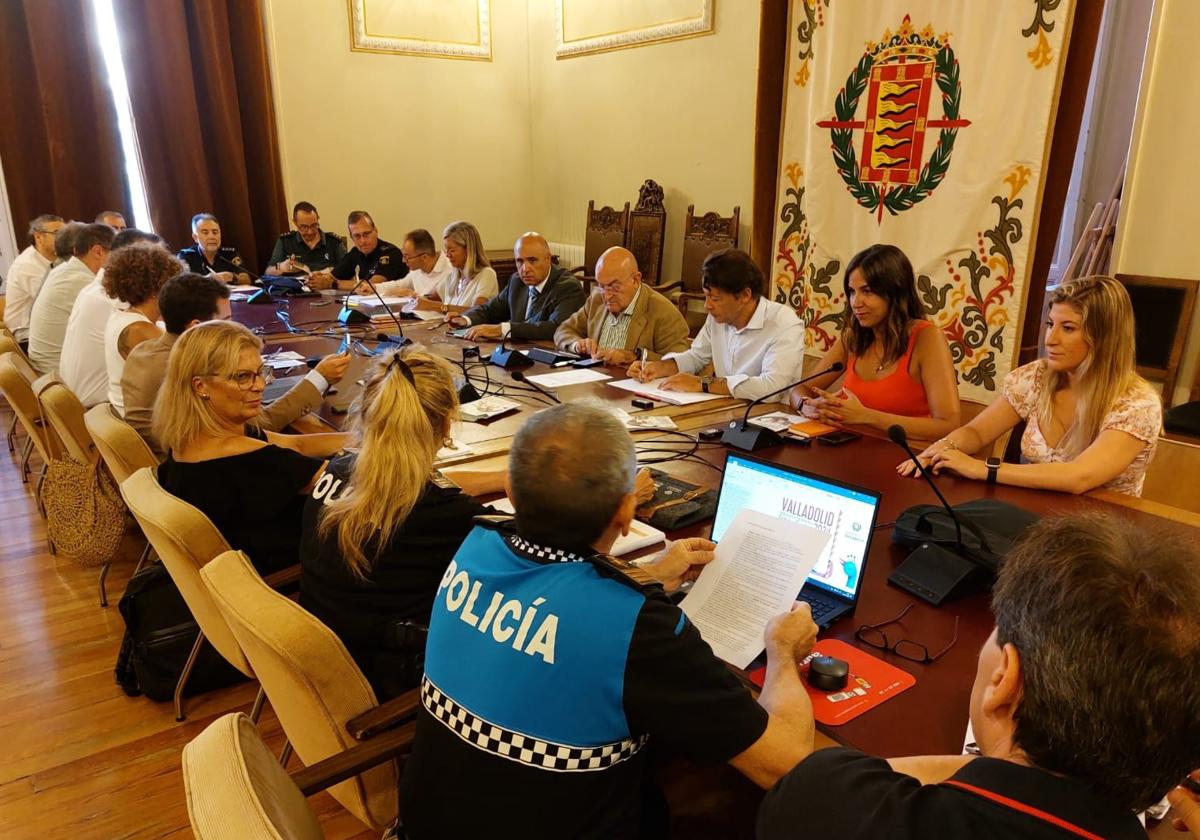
{"x": 486, "y": 408}
{"x": 640, "y": 534}
{"x": 652, "y": 391}
{"x": 563, "y": 378}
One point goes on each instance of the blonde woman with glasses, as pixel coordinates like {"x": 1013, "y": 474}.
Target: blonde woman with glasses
{"x": 380, "y": 527}
{"x": 250, "y": 483}
{"x": 1091, "y": 421}
{"x": 472, "y": 280}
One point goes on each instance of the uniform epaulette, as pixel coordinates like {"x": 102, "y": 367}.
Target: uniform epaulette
{"x": 626, "y": 573}
{"x": 496, "y": 522}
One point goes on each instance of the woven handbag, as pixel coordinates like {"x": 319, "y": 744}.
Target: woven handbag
{"x": 85, "y": 514}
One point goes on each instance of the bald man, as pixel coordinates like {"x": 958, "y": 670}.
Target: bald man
{"x": 624, "y": 318}
{"x": 538, "y": 298}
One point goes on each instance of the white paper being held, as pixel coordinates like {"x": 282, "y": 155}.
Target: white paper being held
{"x": 761, "y": 564}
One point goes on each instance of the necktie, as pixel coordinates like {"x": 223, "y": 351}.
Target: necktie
{"x": 533, "y": 293}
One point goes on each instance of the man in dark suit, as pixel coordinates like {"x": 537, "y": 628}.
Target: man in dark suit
{"x": 530, "y": 309}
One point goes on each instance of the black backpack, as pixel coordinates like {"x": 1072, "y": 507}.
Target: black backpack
{"x": 159, "y": 635}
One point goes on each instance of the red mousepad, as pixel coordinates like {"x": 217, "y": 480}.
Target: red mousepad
{"x": 871, "y": 682}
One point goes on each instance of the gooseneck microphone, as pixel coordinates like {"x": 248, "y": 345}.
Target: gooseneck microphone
{"x": 742, "y": 435}
{"x": 508, "y": 358}
{"x": 900, "y": 437}
{"x": 935, "y": 572}
{"x": 520, "y": 376}
{"x": 400, "y": 340}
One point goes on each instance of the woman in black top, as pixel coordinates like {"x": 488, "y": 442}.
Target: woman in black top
{"x": 249, "y": 483}
{"x": 379, "y": 530}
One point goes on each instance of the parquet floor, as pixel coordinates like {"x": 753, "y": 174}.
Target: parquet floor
{"x": 79, "y": 759}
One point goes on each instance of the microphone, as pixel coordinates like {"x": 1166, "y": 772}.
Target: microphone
{"x": 520, "y": 376}
{"x": 744, "y": 436}
{"x": 510, "y": 359}
{"x": 933, "y": 572}
{"x": 401, "y": 340}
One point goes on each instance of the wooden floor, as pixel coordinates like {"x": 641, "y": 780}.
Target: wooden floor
{"x": 78, "y": 758}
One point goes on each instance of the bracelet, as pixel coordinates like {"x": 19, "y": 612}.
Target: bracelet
{"x": 949, "y": 444}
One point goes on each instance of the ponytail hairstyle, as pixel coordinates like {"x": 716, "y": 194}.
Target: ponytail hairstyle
{"x": 1108, "y": 372}
{"x": 400, "y": 420}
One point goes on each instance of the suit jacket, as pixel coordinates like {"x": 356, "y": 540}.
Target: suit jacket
{"x": 656, "y": 325}
{"x": 561, "y": 296}
{"x": 146, "y": 368}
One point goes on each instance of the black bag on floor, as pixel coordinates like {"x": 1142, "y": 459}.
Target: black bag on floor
{"x": 159, "y": 635}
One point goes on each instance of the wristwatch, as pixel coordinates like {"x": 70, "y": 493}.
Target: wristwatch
{"x": 993, "y": 467}
{"x": 445, "y": 308}
{"x": 705, "y": 382}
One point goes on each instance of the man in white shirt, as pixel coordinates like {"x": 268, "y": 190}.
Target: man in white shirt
{"x": 427, "y": 269}
{"x": 52, "y": 309}
{"x": 82, "y": 366}
{"x": 27, "y": 272}
{"x": 756, "y": 346}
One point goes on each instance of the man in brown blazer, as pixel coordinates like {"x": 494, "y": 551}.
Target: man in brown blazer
{"x": 623, "y": 317}
{"x": 188, "y": 299}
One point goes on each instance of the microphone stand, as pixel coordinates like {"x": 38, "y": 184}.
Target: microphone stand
{"x": 399, "y": 340}
{"x": 508, "y": 358}
{"x": 932, "y": 572}
{"x": 742, "y": 435}
{"x": 519, "y": 376}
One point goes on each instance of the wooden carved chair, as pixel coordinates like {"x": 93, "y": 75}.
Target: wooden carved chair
{"x": 647, "y": 228}
{"x": 702, "y": 236}
{"x": 606, "y": 228}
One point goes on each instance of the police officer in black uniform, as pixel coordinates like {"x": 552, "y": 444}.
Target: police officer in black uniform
{"x": 370, "y": 257}
{"x": 307, "y": 247}
{"x": 209, "y": 256}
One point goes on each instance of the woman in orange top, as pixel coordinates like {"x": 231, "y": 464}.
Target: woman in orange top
{"x": 898, "y": 365}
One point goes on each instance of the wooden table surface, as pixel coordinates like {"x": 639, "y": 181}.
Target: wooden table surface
{"x": 929, "y": 718}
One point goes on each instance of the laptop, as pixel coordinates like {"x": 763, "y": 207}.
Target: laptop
{"x": 843, "y": 510}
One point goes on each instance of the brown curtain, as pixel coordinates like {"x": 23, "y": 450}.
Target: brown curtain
{"x": 201, "y": 95}
{"x": 58, "y": 128}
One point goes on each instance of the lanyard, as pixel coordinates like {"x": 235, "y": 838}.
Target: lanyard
{"x": 1036, "y": 813}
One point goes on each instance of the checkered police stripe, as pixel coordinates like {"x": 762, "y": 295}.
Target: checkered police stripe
{"x": 542, "y": 552}
{"x": 521, "y": 748}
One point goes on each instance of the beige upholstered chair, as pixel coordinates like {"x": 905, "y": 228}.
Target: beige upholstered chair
{"x": 315, "y": 687}
{"x": 8, "y": 344}
{"x": 236, "y": 788}
{"x": 185, "y": 539}
{"x": 124, "y": 453}
{"x": 16, "y": 384}
{"x": 122, "y": 448}
{"x": 64, "y": 412}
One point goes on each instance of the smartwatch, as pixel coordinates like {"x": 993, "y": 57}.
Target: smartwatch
{"x": 705, "y": 382}
{"x": 993, "y": 467}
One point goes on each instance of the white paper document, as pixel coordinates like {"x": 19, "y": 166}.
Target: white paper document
{"x": 485, "y": 408}
{"x": 640, "y": 534}
{"x": 776, "y": 421}
{"x": 371, "y": 300}
{"x": 760, "y": 566}
{"x": 653, "y": 391}
{"x": 456, "y": 449}
{"x": 563, "y": 378}
{"x": 641, "y": 422}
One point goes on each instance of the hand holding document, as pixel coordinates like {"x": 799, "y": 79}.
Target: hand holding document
{"x": 761, "y": 565}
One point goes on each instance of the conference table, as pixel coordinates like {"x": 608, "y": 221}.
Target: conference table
{"x": 930, "y": 717}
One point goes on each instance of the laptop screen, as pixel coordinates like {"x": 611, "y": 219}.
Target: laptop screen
{"x": 844, "y": 511}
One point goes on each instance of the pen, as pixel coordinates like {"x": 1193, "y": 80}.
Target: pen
{"x": 649, "y": 397}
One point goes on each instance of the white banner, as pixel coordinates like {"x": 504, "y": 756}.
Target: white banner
{"x": 924, "y": 124}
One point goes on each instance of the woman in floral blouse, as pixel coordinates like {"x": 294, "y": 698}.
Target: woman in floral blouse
{"x": 1091, "y": 421}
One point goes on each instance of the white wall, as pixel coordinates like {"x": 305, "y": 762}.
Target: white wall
{"x": 416, "y": 141}
{"x": 520, "y": 142}
{"x": 1159, "y": 210}
{"x": 680, "y": 112}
